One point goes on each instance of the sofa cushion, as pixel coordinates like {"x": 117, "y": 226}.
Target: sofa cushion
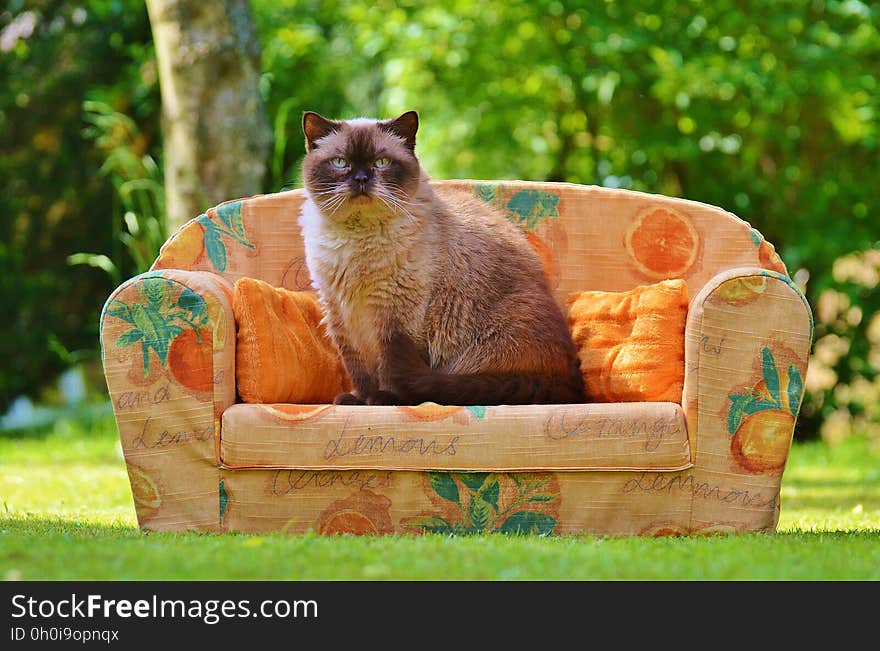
{"x": 631, "y": 344}
{"x": 283, "y": 353}
{"x": 622, "y": 436}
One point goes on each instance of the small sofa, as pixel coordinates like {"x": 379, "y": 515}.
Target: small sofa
{"x": 198, "y": 458}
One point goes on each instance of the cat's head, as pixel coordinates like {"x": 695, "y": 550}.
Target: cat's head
{"x": 362, "y": 165}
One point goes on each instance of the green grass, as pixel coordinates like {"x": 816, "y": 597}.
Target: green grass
{"x": 66, "y": 513}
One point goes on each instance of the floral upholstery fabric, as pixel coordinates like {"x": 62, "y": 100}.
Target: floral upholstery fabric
{"x": 198, "y": 460}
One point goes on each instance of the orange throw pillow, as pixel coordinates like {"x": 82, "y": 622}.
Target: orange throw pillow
{"x": 283, "y": 352}
{"x": 631, "y": 344}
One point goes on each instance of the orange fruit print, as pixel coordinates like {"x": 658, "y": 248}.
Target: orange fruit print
{"x": 191, "y": 360}
{"x": 770, "y": 258}
{"x": 429, "y": 411}
{"x": 349, "y": 522}
{"x": 292, "y": 412}
{"x": 361, "y": 513}
{"x": 761, "y": 443}
{"x": 144, "y": 491}
{"x": 760, "y": 420}
{"x": 745, "y": 288}
{"x": 662, "y": 243}
{"x": 184, "y": 250}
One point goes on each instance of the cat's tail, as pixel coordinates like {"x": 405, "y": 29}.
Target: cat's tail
{"x": 414, "y": 382}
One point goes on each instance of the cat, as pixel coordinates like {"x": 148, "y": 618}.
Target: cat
{"x": 429, "y": 293}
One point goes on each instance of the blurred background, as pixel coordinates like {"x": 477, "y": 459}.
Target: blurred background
{"x": 769, "y": 110}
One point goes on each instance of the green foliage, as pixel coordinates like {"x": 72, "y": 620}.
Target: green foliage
{"x": 770, "y": 110}
{"x": 53, "y": 198}
{"x": 139, "y": 197}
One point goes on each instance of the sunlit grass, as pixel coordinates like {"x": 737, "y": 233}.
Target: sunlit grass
{"x": 831, "y": 488}
{"x": 67, "y": 513}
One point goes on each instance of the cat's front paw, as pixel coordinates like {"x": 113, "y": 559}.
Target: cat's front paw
{"x": 383, "y": 398}
{"x": 347, "y": 399}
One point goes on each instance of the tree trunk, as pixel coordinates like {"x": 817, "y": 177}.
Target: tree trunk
{"x": 215, "y": 132}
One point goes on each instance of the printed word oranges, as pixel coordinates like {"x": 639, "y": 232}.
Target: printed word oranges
{"x": 662, "y": 243}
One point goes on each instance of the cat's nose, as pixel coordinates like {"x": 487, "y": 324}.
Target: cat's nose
{"x": 360, "y": 176}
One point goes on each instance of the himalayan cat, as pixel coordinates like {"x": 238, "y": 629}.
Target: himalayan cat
{"x": 429, "y": 294}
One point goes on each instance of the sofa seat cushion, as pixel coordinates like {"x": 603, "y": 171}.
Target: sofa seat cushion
{"x": 602, "y": 436}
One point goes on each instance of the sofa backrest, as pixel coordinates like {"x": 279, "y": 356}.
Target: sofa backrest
{"x": 588, "y": 237}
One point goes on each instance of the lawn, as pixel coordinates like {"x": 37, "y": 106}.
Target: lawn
{"x": 66, "y": 513}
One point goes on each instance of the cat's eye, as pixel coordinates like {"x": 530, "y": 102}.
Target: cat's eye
{"x": 382, "y": 163}
{"x": 339, "y": 163}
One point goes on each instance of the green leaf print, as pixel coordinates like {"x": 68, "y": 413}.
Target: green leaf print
{"x": 230, "y": 224}
{"x": 444, "y": 485}
{"x": 155, "y": 290}
{"x": 224, "y": 499}
{"x": 237, "y": 221}
{"x": 120, "y": 310}
{"x": 488, "y": 192}
{"x": 226, "y": 211}
{"x": 150, "y": 334}
{"x": 795, "y": 386}
{"x": 737, "y": 411}
{"x": 491, "y": 491}
{"x": 479, "y": 511}
{"x": 754, "y": 401}
{"x": 478, "y": 411}
{"x": 193, "y": 303}
{"x": 215, "y": 247}
{"x": 473, "y": 480}
{"x": 129, "y": 338}
{"x": 157, "y": 334}
{"x": 531, "y": 206}
{"x": 757, "y": 238}
{"x": 483, "y": 507}
{"x": 771, "y": 374}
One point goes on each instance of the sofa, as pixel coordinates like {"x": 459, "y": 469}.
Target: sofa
{"x": 199, "y": 458}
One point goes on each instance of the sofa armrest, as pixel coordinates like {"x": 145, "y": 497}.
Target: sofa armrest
{"x": 747, "y": 346}
{"x": 168, "y": 350}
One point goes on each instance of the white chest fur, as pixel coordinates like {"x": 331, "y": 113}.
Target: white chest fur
{"x": 365, "y": 274}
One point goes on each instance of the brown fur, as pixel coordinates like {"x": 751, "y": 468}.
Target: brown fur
{"x": 429, "y": 294}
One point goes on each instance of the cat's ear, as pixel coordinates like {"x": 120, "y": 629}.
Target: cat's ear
{"x": 405, "y": 126}
{"x": 316, "y": 127}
